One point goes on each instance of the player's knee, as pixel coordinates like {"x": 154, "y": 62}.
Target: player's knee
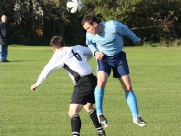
{"x": 74, "y": 109}
{"x": 88, "y": 107}
{"x": 74, "y": 116}
{"x": 101, "y": 84}
{"x": 71, "y": 113}
{"x": 128, "y": 88}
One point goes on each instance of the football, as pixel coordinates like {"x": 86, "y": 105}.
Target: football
{"x": 74, "y": 5}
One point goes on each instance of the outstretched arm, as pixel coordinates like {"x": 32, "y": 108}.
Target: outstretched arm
{"x": 53, "y": 64}
{"x": 123, "y": 30}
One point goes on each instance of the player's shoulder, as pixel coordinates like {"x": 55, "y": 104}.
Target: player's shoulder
{"x": 75, "y": 47}
{"x": 113, "y": 23}
{"x": 79, "y": 47}
{"x": 65, "y": 51}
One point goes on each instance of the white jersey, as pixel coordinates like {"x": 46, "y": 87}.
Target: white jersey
{"x": 72, "y": 59}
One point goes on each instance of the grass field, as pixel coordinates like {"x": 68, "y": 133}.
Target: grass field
{"x": 156, "y": 79}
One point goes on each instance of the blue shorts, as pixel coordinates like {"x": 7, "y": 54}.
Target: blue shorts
{"x": 117, "y": 63}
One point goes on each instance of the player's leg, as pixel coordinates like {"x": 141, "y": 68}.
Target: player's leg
{"x": 121, "y": 71}
{"x": 91, "y": 82}
{"x": 99, "y": 90}
{"x": 131, "y": 100}
{"x": 92, "y": 112}
{"x": 99, "y": 96}
{"x": 76, "y": 104}
{"x": 129, "y": 94}
{"x": 103, "y": 71}
{"x": 74, "y": 110}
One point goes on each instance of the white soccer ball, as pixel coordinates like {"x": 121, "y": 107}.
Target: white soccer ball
{"x": 74, "y": 5}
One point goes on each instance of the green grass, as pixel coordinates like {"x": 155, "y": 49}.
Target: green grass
{"x": 156, "y": 79}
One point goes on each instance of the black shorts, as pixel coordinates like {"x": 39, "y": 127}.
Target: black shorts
{"x": 84, "y": 90}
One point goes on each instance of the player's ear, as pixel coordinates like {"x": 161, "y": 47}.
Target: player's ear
{"x": 53, "y": 48}
{"x": 94, "y": 24}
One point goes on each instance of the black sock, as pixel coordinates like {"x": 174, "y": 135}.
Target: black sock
{"x": 95, "y": 121}
{"x": 76, "y": 125}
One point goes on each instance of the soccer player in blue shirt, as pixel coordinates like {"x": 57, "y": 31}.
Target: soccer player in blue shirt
{"x": 105, "y": 39}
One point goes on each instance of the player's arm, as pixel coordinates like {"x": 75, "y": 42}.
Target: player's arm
{"x": 47, "y": 70}
{"x": 85, "y": 50}
{"x": 87, "y": 53}
{"x": 90, "y": 44}
{"x": 125, "y": 31}
{"x": 99, "y": 55}
{"x": 42, "y": 77}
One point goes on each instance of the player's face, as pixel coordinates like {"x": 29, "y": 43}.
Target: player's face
{"x": 90, "y": 28}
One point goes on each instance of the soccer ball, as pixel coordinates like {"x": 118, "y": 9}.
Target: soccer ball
{"x": 74, "y": 5}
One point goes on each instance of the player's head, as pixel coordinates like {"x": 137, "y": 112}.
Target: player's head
{"x": 90, "y": 23}
{"x": 57, "y": 42}
{"x": 89, "y": 19}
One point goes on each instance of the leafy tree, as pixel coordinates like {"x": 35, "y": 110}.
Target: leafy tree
{"x": 36, "y": 21}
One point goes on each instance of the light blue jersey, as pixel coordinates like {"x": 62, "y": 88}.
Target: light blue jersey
{"x": 110, "y": 40}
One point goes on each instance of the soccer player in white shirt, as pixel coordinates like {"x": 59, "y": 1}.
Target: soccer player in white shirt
{"x": 74, "y": 61}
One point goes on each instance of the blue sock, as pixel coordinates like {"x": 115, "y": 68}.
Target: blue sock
{"x": 132, "y": 103}
{"x": 99, "y": 96}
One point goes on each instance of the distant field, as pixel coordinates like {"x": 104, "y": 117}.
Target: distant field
{"x": 156, "y": 79}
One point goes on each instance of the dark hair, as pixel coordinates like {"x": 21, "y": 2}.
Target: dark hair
{"x": 57, "y": 41}
{"x": 90, "y": 19}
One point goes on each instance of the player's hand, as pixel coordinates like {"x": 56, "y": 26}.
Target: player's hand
{"x": 141, "y": 42}
{"x": 99, "y": 55}
{"x": 33, "y": 87}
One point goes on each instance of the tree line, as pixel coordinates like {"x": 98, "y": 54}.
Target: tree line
{"x": 34, "y": 22}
